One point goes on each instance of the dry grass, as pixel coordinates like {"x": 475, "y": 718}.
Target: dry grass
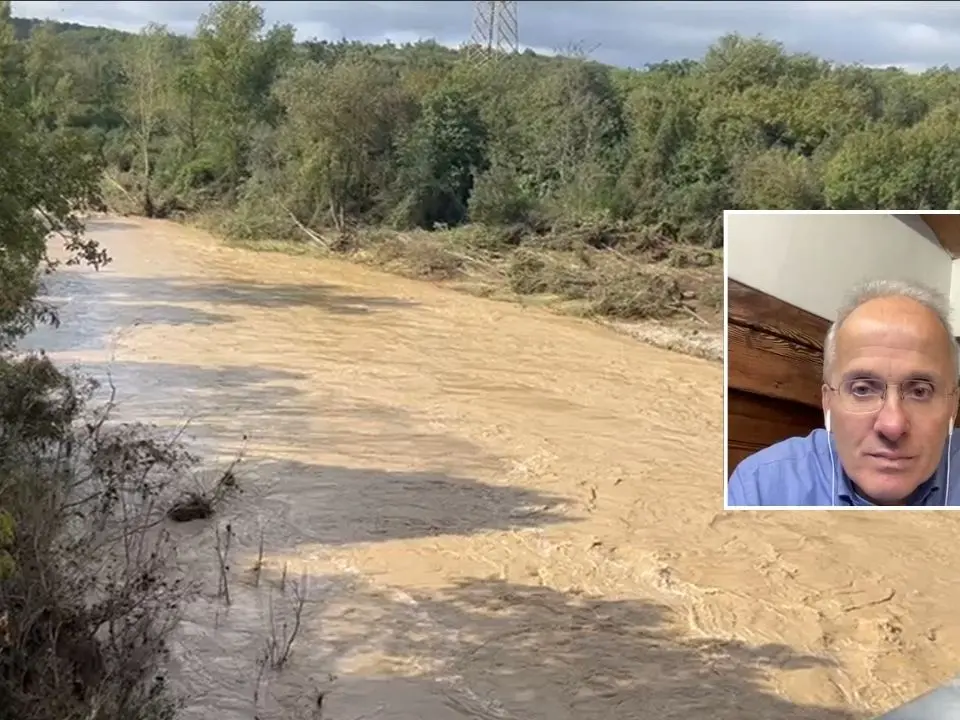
{"x": 600, "y": 283}
{"x": 284, "y": 625}
{"x": 88, "y": 595}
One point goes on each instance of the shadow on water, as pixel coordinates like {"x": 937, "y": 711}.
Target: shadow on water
{"x": 303, "y": 503}
{"x": 101, "y": 287}
{"x": 102, "y": 324}
{"x": 605, "y": 658}
{"x": 106, "y": 225}
{"x": 95, "y": 307}
{"x": 224, "y": 402}
{"x": 279, "y": 410}
{"x": 480, "y": 649}
{"x": 328, "y": 503}
{"x": 517, "y": 652}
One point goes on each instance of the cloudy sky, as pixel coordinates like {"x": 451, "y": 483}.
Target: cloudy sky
{"x": 915, "y": 35}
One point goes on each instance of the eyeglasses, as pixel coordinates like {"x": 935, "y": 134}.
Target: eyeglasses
{"x": 867, "y": 395}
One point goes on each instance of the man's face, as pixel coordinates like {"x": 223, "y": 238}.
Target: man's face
{"x": 890, "y": 452}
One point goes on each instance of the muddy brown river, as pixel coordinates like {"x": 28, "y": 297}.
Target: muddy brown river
{"x": 499, "y": 513}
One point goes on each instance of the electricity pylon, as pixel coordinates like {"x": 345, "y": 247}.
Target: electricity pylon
{"x": 495, "y": 30}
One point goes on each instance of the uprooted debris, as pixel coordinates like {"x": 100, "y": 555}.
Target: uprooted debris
{"x": 202, "y": 504}
{"x": 606, "y": 284}
{"x": 193, "y": 506}
{"x": 598, "y": 269}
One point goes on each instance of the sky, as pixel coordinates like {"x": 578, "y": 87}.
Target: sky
{"x": 913, "y": 35}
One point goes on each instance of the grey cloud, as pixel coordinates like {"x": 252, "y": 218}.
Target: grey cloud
{"x": 915, "y": 35}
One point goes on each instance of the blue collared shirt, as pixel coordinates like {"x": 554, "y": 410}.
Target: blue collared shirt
{"x": 797, "y": 473}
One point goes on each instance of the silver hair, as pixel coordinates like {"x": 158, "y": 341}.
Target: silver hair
{"x": 874, "y": 289}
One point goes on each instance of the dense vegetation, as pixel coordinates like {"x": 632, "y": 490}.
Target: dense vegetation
{"x": 417, "y": 136}
{"x": 516, "y": 163}
{"x": 528, "y": 165}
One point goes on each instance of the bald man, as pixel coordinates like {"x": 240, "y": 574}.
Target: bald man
{"x": 889, "y": 396}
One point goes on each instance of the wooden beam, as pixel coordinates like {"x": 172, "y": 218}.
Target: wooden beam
{"x": 774, "y": 361}
{"x": 947, "y": 230}
{"x": 759, "y": 311}
{"x": 772, "y": 366}
{"x": 774, "y": 349}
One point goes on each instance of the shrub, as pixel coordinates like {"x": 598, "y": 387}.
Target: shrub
{"x": 87, "y": 593}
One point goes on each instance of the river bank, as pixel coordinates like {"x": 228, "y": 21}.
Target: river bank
{"x": 656, "y": 290}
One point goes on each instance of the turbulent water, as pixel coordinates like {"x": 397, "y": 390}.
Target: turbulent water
{"x": 497, "y": 513}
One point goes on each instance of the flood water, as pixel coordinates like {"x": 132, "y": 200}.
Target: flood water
{"x": 498, "y": 513}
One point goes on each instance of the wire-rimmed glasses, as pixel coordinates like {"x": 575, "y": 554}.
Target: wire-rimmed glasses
{"x": 867, "y": 395}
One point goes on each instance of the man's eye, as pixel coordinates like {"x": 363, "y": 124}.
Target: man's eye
{"x": 863, "y": 389}
{"x": 921, "y": 391}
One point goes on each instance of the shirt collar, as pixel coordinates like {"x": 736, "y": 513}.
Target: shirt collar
{"x": 848, "y": 495}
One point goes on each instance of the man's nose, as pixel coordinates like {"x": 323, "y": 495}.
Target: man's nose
{"x": 892, "y": 421}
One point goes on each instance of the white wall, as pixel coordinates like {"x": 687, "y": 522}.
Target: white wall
{"x": 955, "y": 296}
{"x": 812, "y": 260}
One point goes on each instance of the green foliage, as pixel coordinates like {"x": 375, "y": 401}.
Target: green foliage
{"x": 243, "y": 118}
{"x": 445, "y": 149}
{"x": 49, "y": 171}
{"x": 498, "y": 197}
{"x": 339, "y": 133}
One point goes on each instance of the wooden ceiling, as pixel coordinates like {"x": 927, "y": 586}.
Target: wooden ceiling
{"x": 947, "y": 230}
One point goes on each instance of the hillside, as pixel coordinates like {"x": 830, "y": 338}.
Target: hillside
{"x": 24, "y": 27}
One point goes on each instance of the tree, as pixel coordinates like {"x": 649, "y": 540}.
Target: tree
{"x": 440, "y": 158}
{"x": 147, "y": 102}
{"x": 48, "y": 86}
{"x": 575, "y": 136}
{"x": 47, "y": 175}
{"x": 335, "y": 133}
{"x": 236, "y": 67}
{"x": 339, "y": 130}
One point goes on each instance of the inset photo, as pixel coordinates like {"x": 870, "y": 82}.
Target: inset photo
{"x": 842, "y": 360}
